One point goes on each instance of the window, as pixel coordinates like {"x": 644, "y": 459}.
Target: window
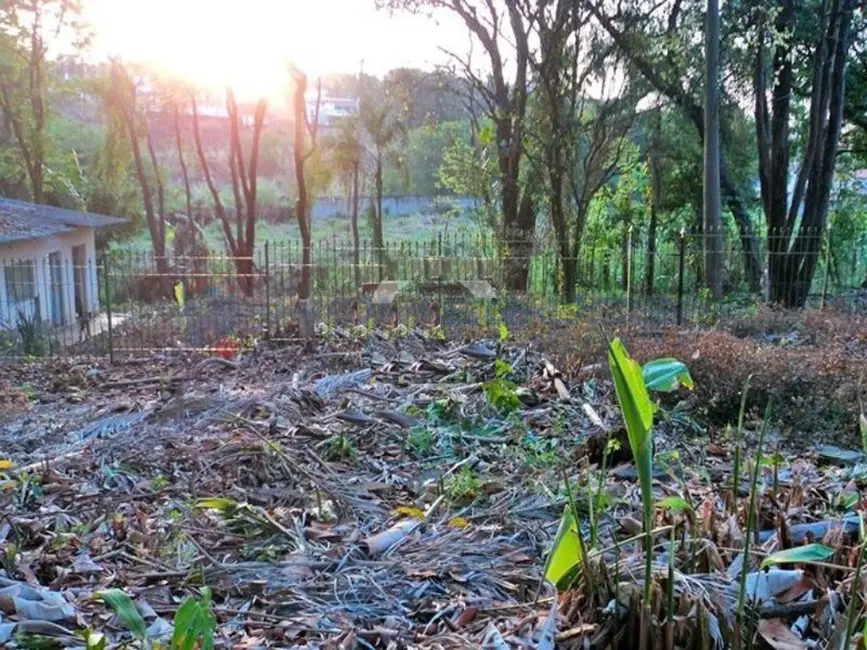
{"x": 20, "y": 282}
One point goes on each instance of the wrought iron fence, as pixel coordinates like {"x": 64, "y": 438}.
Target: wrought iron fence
{"x": 131, "y": 303}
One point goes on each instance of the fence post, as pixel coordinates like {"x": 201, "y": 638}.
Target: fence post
{"x": 629, "y": 261}
{"x": 681, "y": 263}
{"x": 106, "y": 280}
{"x": 825, "y": 275}
{"x": 267, "y": 292}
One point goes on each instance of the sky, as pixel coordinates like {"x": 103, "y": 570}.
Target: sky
{"x": 249, "y": 44}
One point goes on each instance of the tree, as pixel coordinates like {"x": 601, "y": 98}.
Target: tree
{"x": 382, "y": 129}
{"x": 634, "y": 30}
{"x": 712, "y": 153}
{"x": 504, "y": 101}
{"x": 577, "y": 141}
{"x": 245, "y": 174}
{"x": 304, "y": 129}
{"x": 123, "y": 99}
{"x": 425, "y": 97}
{"x": 345, "y": 152}
{"x": 654, "y": 166}
{"x": 796, "y": 221}
{"x": 24, "y": 25}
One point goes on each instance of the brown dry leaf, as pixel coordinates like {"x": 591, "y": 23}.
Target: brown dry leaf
{"x": 796, "y": 591}
{"x": 779, "y": 636}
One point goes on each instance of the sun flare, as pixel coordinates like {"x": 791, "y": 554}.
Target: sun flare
{"x": 250, "y": 45}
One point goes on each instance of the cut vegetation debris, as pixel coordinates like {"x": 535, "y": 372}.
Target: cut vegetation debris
{"x": 404, "y": 491}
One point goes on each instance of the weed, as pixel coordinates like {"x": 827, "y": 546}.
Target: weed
{"x": 338, "y": 448}
{"x": 503, "y": 369}
{"x": 28, "y": 490}
{"x": 668, "y": 459}
{"x": 539, "y": 451}
{"x": 420, "y": 442}
{"x": 442, "y": 411}
{"x": 751, "y": 523}
{"x": 31, "y": 333}
{"x": 158, "y": 482}
{"x": 502, "y": 395}
{"x": 463, "y": 485}
{"x": 194, "y": 622}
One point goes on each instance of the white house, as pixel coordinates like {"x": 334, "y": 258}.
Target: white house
{"x": 47, "y": 262}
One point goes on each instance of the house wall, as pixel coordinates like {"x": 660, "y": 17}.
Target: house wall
{"x": 37, "y": 251}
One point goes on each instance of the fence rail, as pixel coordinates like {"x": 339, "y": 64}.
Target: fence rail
{"x": 130, "y": 302}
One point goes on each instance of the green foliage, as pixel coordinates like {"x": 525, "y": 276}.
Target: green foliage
{"x": 32, "y": 334}
{"x": 122, "y": 605}
{"x": 675, "y": 504}
{"x": 420, "y": 441}
{"x": 666, "y": 375}
{"x": 637, "y": 410}
{"x": 194, "y": 623}
{"x": 800, "y": 554}
{"x": 637, "y": 413}
{"x": 240, "y": 518}
{"x": 503, "y": 369}
{"x": 339, "y": 448}
{"x": 566, "y": 556}
{"x": 502, "y": 394}
{"x": 463, "y": 485}
{"x": 424, "y": 155}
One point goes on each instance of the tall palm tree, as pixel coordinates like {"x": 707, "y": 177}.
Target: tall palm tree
{"x": 346, "y": 152}
{"x": 383, "y": 130}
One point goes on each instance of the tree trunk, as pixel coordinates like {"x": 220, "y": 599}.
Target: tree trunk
{"x": 301, "y": 183}
{"x": 518, "y": 219}
{"x": 180, "y": 146}
{"x": 219, "y": 208}
{"x": 561, "y": 229}
{"x": 794, "y": 255}
{"x": 356, "y": 259}
{"x": 519, "y": 245}
{"x": 712, "y": 154}
{"x": 155, "y": 222}
{"x": 378, "y": 238}
{"x": 655, "y": 199}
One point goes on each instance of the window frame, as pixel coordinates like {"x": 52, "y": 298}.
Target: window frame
{"x": 16, "y": 279}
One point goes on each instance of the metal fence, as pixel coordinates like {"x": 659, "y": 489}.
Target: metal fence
{"x": 130, "y": 303}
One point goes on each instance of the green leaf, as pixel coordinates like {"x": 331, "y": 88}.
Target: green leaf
{"x": 222, "y": 504}
{"x": 638, "y": 416}
{"x": 96, "y": 641}
{"x": 806, "y": 554}
{"x": 122, "y": 604}
{"x": 666, "y": 375}
{"x": 675, "y": 504}
{"x": 565, "y": 556}
{"x": 501, "y": 394}
{"x": 634, "y": 404}
{"x": 193, "y": 621}
{"x": 179, "y": 293}
{"x": 502, "y": 369}
{"x": 503, "y": 331}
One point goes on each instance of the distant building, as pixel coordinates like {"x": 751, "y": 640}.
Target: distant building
{"x": 331, "y": 110}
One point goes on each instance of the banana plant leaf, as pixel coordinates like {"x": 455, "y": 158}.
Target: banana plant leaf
{"x": 666, "y": 375}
